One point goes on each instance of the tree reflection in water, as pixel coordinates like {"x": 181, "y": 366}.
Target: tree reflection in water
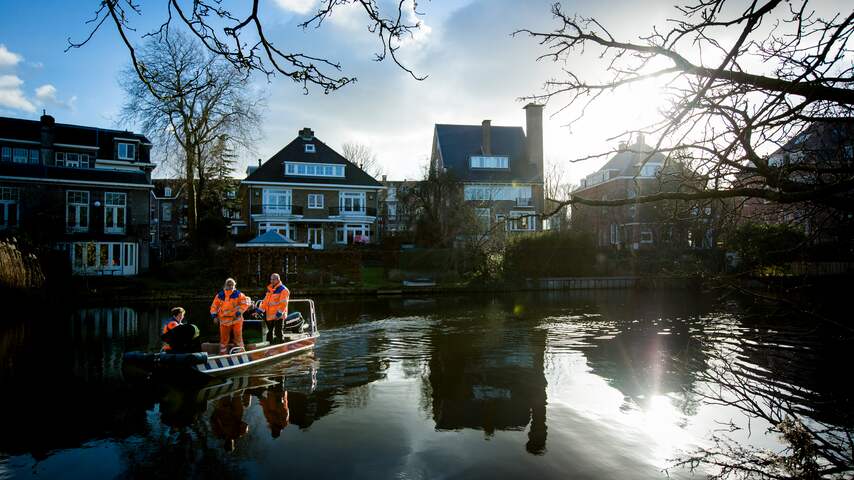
{"x": 779, "y": 379}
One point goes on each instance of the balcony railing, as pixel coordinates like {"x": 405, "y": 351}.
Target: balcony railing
{"x": 277, "y": 210}
{"x": 346, "y": 212}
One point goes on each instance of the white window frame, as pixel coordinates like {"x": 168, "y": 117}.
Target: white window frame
{"x": 515, "y": 220}
{"x": 6, "y": 154}
{"x": 20, "y": 155}
{"x": 9, "y": 196}
{"x": 116, "y": 203}
{"x": 347, "y": 203}
{"x": 317, "y": 233}
{"x": 491, "y": 162}
{"x": 646, "y": 233}
{"x": 310, "y": 148}
{"x": 342, "y": 234}
{"x": 167, "y": 191}
{"x": 80, "y": 205}
{"x": 129, "y": 151}
{"x": 484, "y": 218}
{"x": 304, "y": 169}
{"x": 315, "y": 200}
{"x": 35, "y": 156}
{"x": 614, "y": 231}
{"x": 269, "y": 206}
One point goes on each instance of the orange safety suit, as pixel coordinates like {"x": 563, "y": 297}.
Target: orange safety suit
{"x": 169, "y": 326}
{"x": 227, "y": 308}
{"x": 275, "y": 408}
{"x": 275, "y": 303}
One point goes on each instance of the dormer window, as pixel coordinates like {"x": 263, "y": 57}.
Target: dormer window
{"x": 314, "y": 169}
{"x": 167, "y": 192}
{"x": 491, "y": 162}
{"x": 127, "y": 151}
{"x": 309, "y": 148}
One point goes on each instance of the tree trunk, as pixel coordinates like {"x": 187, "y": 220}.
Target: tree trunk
{"x": 191, "y": 195}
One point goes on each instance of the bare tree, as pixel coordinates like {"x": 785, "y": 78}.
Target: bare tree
{"x": 239, "y": 37}
{"x": 193, "y": 105}
{"x": 363, "y": 157}
{"x": 721, "y": 118}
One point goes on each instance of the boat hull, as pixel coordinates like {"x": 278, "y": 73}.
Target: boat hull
{"x": 220, "y": 365}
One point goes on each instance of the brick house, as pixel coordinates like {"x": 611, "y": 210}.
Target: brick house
{"x": 84, "y": 190}
{"x": 500, "y": 168}
{"x": 633, "y": 172}
{"x": 311, "y": 195}
{"x": 397, "y": 215}
{"x": 824, "y": 145}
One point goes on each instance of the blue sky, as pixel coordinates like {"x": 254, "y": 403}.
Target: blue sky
{"x": 476, "y": 71}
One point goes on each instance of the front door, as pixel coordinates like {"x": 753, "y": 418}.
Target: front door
{"x": 315, "y": 238}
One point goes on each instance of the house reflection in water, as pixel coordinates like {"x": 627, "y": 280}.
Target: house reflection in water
{"x": 476, "y": 383}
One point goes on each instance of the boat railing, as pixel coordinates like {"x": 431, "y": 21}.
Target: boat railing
{"x": 312, "y": 316}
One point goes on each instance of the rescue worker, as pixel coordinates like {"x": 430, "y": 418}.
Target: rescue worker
{"x": 180, "y": 337}
{"x": 275, "y": 308}
{"x": 227, "y": 310}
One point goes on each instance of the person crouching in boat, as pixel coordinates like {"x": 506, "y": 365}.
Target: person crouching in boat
{"x": 227, "y": 310}
{"x": 180, "y": 337}
{"x": 275, "y": 308}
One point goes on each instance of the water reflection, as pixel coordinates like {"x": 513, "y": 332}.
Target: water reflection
{"x": 584, "y": 384}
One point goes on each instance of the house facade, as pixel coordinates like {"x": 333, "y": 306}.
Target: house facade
{"x": 500, "y": 168}
{"x": 311, "y": 194}
{"x": 822, "y": 154}
{"x": 83, "y": 190}
{"x": 397, "y": 212}
{"x": 635, "y": 171}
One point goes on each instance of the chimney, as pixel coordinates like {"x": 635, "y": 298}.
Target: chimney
{"x": 48, "y": 123}
{"x": 622, "y": 147}
{"x": 640, "y": 140}
{"x": 384, "y": 178}
{"x": 259, "y": 162}
{"x": 486, "y": 137}
{"x": 534, "y": 135}
{"x": 306, "y": 134}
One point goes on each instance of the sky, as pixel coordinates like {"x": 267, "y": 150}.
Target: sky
{"x": 475, "y": 71}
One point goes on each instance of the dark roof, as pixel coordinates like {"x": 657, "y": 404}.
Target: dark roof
{"x": 459, "y": 142}
{"x": 273, "y": 170}
{"x": 22, "y": 129}
{"x": 628, "y": 161}
{"x": 160, "y": 184}
{"x": 79, "y": 174}
{"x": 821, "y": 141}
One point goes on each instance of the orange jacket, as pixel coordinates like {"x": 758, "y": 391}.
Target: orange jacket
{"x": 227, "y": 304}
{"x": 169, "y": 326}
{"x": 275, "y": 303}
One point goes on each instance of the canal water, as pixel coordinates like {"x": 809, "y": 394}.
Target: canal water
{"x": 532, "y": 385}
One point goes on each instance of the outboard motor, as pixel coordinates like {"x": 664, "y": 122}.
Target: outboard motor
{"x": 293, "y": 323}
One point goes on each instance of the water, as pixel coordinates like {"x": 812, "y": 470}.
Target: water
{"x": 561, "y": 385}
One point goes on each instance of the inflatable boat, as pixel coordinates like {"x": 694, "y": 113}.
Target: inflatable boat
{"x": 299, "y": 335}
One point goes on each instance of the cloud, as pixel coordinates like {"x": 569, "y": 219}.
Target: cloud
{"x": 298, "y": 6}
{"x": 46, "y": 95}
{"x": 11, "y": 95}
{"x": 7, "y": 58}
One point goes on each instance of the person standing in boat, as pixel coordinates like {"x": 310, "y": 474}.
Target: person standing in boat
{"x": 227, "y": 309}
{"x": 275, "y": 307}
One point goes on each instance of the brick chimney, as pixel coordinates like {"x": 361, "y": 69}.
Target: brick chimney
{"x": 306, "y": 134}
{"x": 534, "y": 135}
{"x": 48, "y": 123}
{"x": 486, "y": 137}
